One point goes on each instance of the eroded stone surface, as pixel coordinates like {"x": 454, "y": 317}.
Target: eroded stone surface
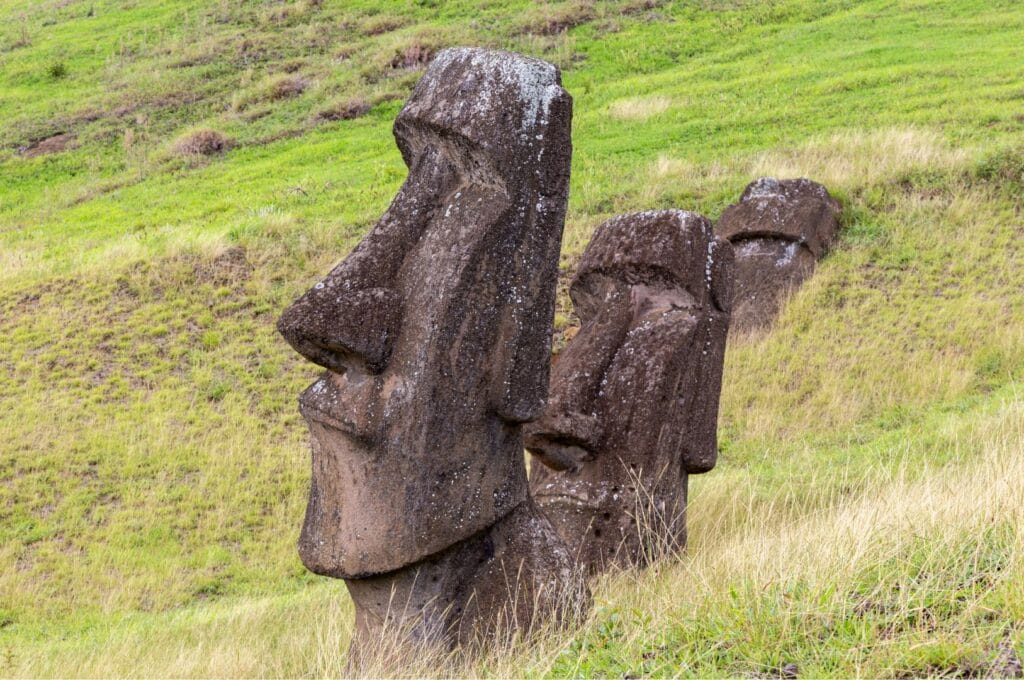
{"x": 436, "y": 333}
{"x": 779, "y": 230}
{"x": 488, "y": 583}
{"x": 634, "y": 395}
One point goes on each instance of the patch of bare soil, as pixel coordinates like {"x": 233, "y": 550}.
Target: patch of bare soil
{"x": 231, "y": 265}
{"x": 1006, "y": 664}
{"x": 202, "y": 143}
{"x": 560, "y": 20}
{"x": 286, "y": 88}
{"x": 354, "y": 108}
{"x": 413, "y": 56}
{"x": 53, "y": 144}
{"x": 382, "y": 24}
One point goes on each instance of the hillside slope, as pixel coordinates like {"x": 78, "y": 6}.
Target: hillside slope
{"x": 863, "y": 518}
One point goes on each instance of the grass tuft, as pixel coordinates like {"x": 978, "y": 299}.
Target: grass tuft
{"x": 202, "y": 143}
{"x": 639, "y": 108}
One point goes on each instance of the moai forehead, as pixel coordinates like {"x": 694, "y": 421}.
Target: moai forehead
{"x": 436, "y": 329}
{"x": 668, "y": 247}
{"x": 507, "y": 112}
{"x": 796, "y": 210}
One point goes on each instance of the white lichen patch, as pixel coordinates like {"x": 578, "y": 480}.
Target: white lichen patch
{"x": 533, "y": 84}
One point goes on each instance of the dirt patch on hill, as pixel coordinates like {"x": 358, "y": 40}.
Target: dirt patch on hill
{"x": 202, "y": 143}
{"x": 413, "y": 56}
{"x": 230, "y": 266}
{"x": 557, "y": 20}
{"x": 52, "y": 144}
{"x": 347, "y": 110}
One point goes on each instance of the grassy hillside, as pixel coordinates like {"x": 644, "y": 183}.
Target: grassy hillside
{"x": 866, "y": 516}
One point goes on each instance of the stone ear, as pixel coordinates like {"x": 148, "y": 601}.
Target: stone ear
{"x": 721, "y": 274}
{"x": 340, "y": 330}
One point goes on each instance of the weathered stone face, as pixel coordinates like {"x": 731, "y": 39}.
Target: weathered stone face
{"x": 779, "y": 230}
{"x": 634, "y": 395}
{"x": 436, "y": 336}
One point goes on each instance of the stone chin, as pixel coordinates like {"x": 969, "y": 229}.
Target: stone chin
{"x": 371, "y": 511}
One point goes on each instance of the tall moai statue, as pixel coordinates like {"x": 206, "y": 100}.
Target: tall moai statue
{"x": 779, "y": 230}
{"x": 436, "y": 336}
{"x": 634, "y": 395}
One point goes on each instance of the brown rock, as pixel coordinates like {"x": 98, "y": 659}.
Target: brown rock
{"x": 436, "y": 333}
{"x": 634, "y": 395}
{"x": 779, "y": 230}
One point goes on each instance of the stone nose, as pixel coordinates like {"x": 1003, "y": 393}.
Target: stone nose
{"x": 339, "y": 329}
{"x": 579, "y": 374}
{"x": 570, "y": 432}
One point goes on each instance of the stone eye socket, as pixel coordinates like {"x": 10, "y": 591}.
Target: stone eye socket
{"x": 646, "y": 294}
{"x": 655, "y": 301}
{"x": 593, "y": 292}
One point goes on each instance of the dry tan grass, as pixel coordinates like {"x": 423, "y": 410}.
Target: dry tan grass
{"x": 844, "y": 161}
{"x": 639, "y": 108}
{"x": 740, "y": 543}
{"x": 943, "y": 503}
{"x": 16, "y": 262}
{"x": 860, "y": 158}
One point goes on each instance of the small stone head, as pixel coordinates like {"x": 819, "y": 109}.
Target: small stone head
{"x": 779, "y": 230}
{"x": 435, "y": 330}
{"x": 634, "y": 395}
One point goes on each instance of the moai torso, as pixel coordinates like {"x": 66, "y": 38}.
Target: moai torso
{"x": 779, "y": 230}
{"x": 634, "y": 395}
{"x": 435, "y": 333}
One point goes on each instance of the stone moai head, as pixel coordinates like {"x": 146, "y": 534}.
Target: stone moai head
{"x": 634, "y": 395}
{"x": 436, "y": 330}
{"x": 779, "y": 230}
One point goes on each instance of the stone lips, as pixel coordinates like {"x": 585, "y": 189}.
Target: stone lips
{"x": 779, "y": 229}
{"x": 436, "y": 336}
{"x": 634, "y": 397}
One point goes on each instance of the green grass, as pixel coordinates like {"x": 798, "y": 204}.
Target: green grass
{"x": 153, "y": 466}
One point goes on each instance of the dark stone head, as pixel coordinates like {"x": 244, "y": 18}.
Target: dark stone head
{"x": 779, "y": 230}
{"x": 634, "y": 395}
{"x": 435, "y": 331}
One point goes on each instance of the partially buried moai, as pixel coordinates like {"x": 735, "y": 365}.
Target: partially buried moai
{"x": 634, "y": 395}
{"x": 436, "y": 336}
{"x": 779, "y": 230}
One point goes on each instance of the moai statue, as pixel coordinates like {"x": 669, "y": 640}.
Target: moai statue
{"x": 778, "y": 230}
{"x": 634, "y": 395}
{"x": 436, "y": 336}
